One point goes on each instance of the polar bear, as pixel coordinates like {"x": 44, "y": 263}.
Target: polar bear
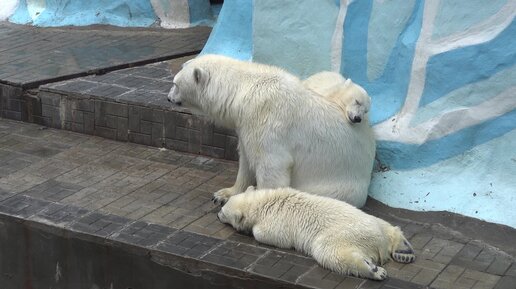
{"x": 288, "y": 134}
{"x": 337, "y": 235}
{"x": 351, "y": 98}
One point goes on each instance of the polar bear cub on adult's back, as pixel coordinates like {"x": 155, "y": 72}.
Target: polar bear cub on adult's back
{"x": 288, "y": 134}
{"x": 339, "y": 237}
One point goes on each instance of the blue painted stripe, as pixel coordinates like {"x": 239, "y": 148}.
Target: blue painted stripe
{"x": 233, "y": 33}
{"x": 388, "y": 92}
{"x": 21, "y": 14}
{"x": 200, "y": 12}
{"x": 451, "y": 70}
{"x": 408, "y": 156}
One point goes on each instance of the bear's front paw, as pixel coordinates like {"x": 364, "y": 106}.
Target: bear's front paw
{"x": 379, "y": 273}
{"x": 222, "y": 196}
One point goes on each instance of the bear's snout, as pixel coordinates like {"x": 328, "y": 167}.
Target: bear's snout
{"x": 171, "y": 97}
{"x": 354, "y": 118}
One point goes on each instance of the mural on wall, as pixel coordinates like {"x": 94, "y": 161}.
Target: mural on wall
{"x": 442, "y": 77}
{"x": 444, "y": 102}
{"x": 127, "y": 13}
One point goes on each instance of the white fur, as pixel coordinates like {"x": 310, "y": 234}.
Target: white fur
{"x": 350, "y": 97}
{"x": 337, "y": 235}
{"x": 288, "y": 134}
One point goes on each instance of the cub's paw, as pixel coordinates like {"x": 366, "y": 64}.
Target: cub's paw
{"x": 380, "y": 274}
{"x": 404, "y": 253}
{"x": 403, "y": 256}
{"x": 222, "y": 196}
{"x": 376, "y": 272}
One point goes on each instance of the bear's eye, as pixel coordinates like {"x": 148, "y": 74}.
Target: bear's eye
{"x": 357, "y": 102}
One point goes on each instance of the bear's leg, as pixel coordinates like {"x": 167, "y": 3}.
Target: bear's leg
{"x": 403, "y": 252}
{"x": 245, "y": 178}
{"x": 273, "y": 171}
{"x": 350, "y": 261}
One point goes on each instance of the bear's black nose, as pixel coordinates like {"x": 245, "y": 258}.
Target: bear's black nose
{"x": 178, "y": 103}
{"x": 357, "y": 119}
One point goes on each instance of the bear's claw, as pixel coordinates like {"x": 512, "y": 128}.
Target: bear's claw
{"x": 404, "y": 256}
{"x": 380, "y": 274}
{"x": 222, "y": 196}
{"x": 404, "y": 253}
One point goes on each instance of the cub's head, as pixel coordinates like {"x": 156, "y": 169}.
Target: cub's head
{"x": 356, "y": 100}
{"x": 236, "y": 213}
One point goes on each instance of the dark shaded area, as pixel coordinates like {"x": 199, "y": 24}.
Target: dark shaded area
{"x": 39, "y": 256}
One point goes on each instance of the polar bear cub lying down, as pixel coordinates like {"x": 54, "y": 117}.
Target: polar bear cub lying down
{"x": 350, "y": 97}
{"x": 337, "y": 235}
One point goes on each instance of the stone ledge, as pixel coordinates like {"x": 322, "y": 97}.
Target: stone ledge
{"x": 187, "y": 252}
{"x": 130, "y": 105}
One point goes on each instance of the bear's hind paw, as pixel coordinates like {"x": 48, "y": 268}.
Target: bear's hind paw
{"x": 404, "y": 256}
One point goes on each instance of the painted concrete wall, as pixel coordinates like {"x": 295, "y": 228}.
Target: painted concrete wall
{"x": 442, "y": 77}
{"x": 127, "y": 13}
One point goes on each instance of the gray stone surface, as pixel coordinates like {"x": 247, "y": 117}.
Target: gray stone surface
{"x": 30, "y": 55}
{"x": 159, "y": 200}
{"x": 130, "y": 105}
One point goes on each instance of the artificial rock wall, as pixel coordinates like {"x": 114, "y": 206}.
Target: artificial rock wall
{"x": 126, "y": 13}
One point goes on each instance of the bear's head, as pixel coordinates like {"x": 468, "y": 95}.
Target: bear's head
{"x": 204, "y": 86}
{"x": 187, "y": 86}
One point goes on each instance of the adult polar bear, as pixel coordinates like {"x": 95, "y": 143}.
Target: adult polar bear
{"x": 288, "y": 134}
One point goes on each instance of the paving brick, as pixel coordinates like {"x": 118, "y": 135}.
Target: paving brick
{"x": 499, "y": 266}
{"x": 100, "y": 224}
{"x": 512, "y": 270}
{"x": 392, "y": 283}
{"x": 209, "y": 225}
{"x": 458, "y": 277}
{"x": 351, "y": 283}
{"x": 188, "y": 244}
{"x": 473, "y": 257}
{"x": 60, "y": 214}
{"x": 420, "y": 240}
{"x": 143, "y": 234}
{"x": 53, "y": 190}
{"x": 506, "y": 282}
{"x": 282, "y": 265}
{"x": 236, "y": 255}
{"x": 22, "y": 206}
{"x": 320, "y": 278}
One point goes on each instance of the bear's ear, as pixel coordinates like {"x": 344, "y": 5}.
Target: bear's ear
{"x": 199, "y": 75}
{"x": 240, "y": 218}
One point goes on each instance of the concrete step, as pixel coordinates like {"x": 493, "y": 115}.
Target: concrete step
{"x": 130, "y": 105}
{"x": 42, "y": 81}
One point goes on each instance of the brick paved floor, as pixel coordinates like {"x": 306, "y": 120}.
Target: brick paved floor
{"x": 30, "y": 55}
{"x": 160, "y": 199}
